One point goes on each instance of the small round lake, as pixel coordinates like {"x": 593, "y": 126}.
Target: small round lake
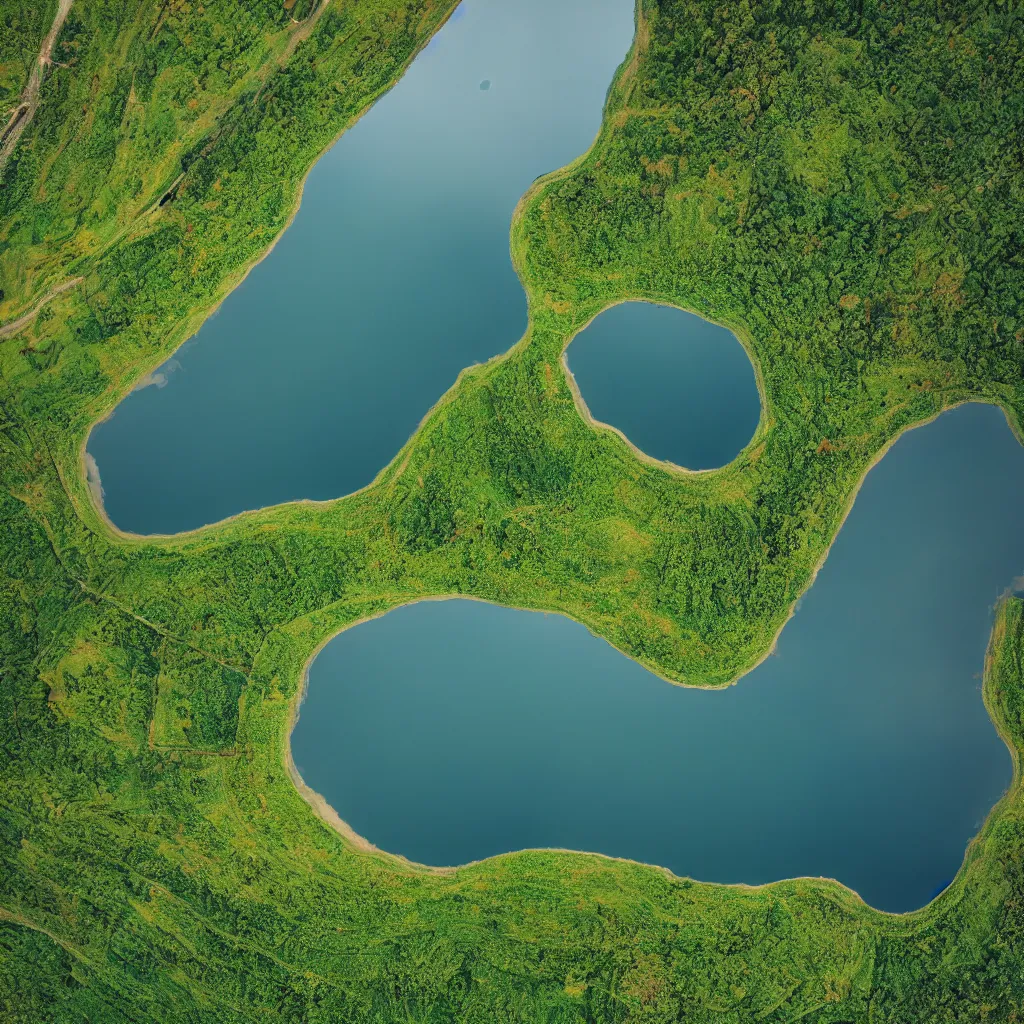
{"x": 680, "y": 388}
{"x": 451, "y": 731}
{"x": 394, "y": 275}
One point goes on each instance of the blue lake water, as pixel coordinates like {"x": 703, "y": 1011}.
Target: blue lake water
{"x": 680, "y": 388}
{"x": 450, "y": 731}
{"x": 394, "y": 276}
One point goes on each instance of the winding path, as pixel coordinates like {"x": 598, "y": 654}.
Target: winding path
{"x": 30, "y": 97}
{"x": 10, "y": 329}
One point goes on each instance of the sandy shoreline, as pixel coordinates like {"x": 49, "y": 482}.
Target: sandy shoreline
{"x": 228, "y": 286}
{"x": 319, "y": 805}
{"x": 330, "y": 817}
{"x": 741, "y": 335}
{"x": 114, "y": 531}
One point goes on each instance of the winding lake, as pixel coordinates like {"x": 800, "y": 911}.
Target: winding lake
{"x": 450, "y": 731}
{"x": 393, "y": 277}
{"x": 680, "y": 388}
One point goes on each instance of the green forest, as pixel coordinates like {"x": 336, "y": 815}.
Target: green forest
{"x": 839, "y": 181}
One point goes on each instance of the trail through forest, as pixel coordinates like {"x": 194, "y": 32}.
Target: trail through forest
{"x": 30, "y": 97}
{"x": 8, "y": 330}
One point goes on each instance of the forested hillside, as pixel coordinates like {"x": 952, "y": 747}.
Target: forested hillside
{"x": 839, "y": 182}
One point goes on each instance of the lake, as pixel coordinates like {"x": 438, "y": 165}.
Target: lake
{"x": 451, "y": 731}
{"x": 680, "y": 388}
{"x": 394, "y": 276}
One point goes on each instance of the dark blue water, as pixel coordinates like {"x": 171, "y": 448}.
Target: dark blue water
{"x": 680, "y": 388}
{"x": 450, "y": 731}
{"x": 393, "y": 277}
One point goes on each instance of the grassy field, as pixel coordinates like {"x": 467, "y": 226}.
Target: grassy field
{"x": 840, "y": 182}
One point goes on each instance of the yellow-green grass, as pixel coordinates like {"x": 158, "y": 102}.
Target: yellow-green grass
{"x": 783, "y": 171}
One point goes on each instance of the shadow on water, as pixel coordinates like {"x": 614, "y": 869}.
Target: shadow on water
{"x": 451, "y": 731}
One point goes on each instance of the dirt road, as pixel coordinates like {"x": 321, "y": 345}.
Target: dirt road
{"x": 30, "y": 96}
{"x": 7, "y": 330}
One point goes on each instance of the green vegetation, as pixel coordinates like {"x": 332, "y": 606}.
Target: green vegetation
{"x": 839, "y": 181}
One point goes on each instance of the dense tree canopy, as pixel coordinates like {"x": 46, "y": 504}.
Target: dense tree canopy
{"x": 839, "y": 182}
